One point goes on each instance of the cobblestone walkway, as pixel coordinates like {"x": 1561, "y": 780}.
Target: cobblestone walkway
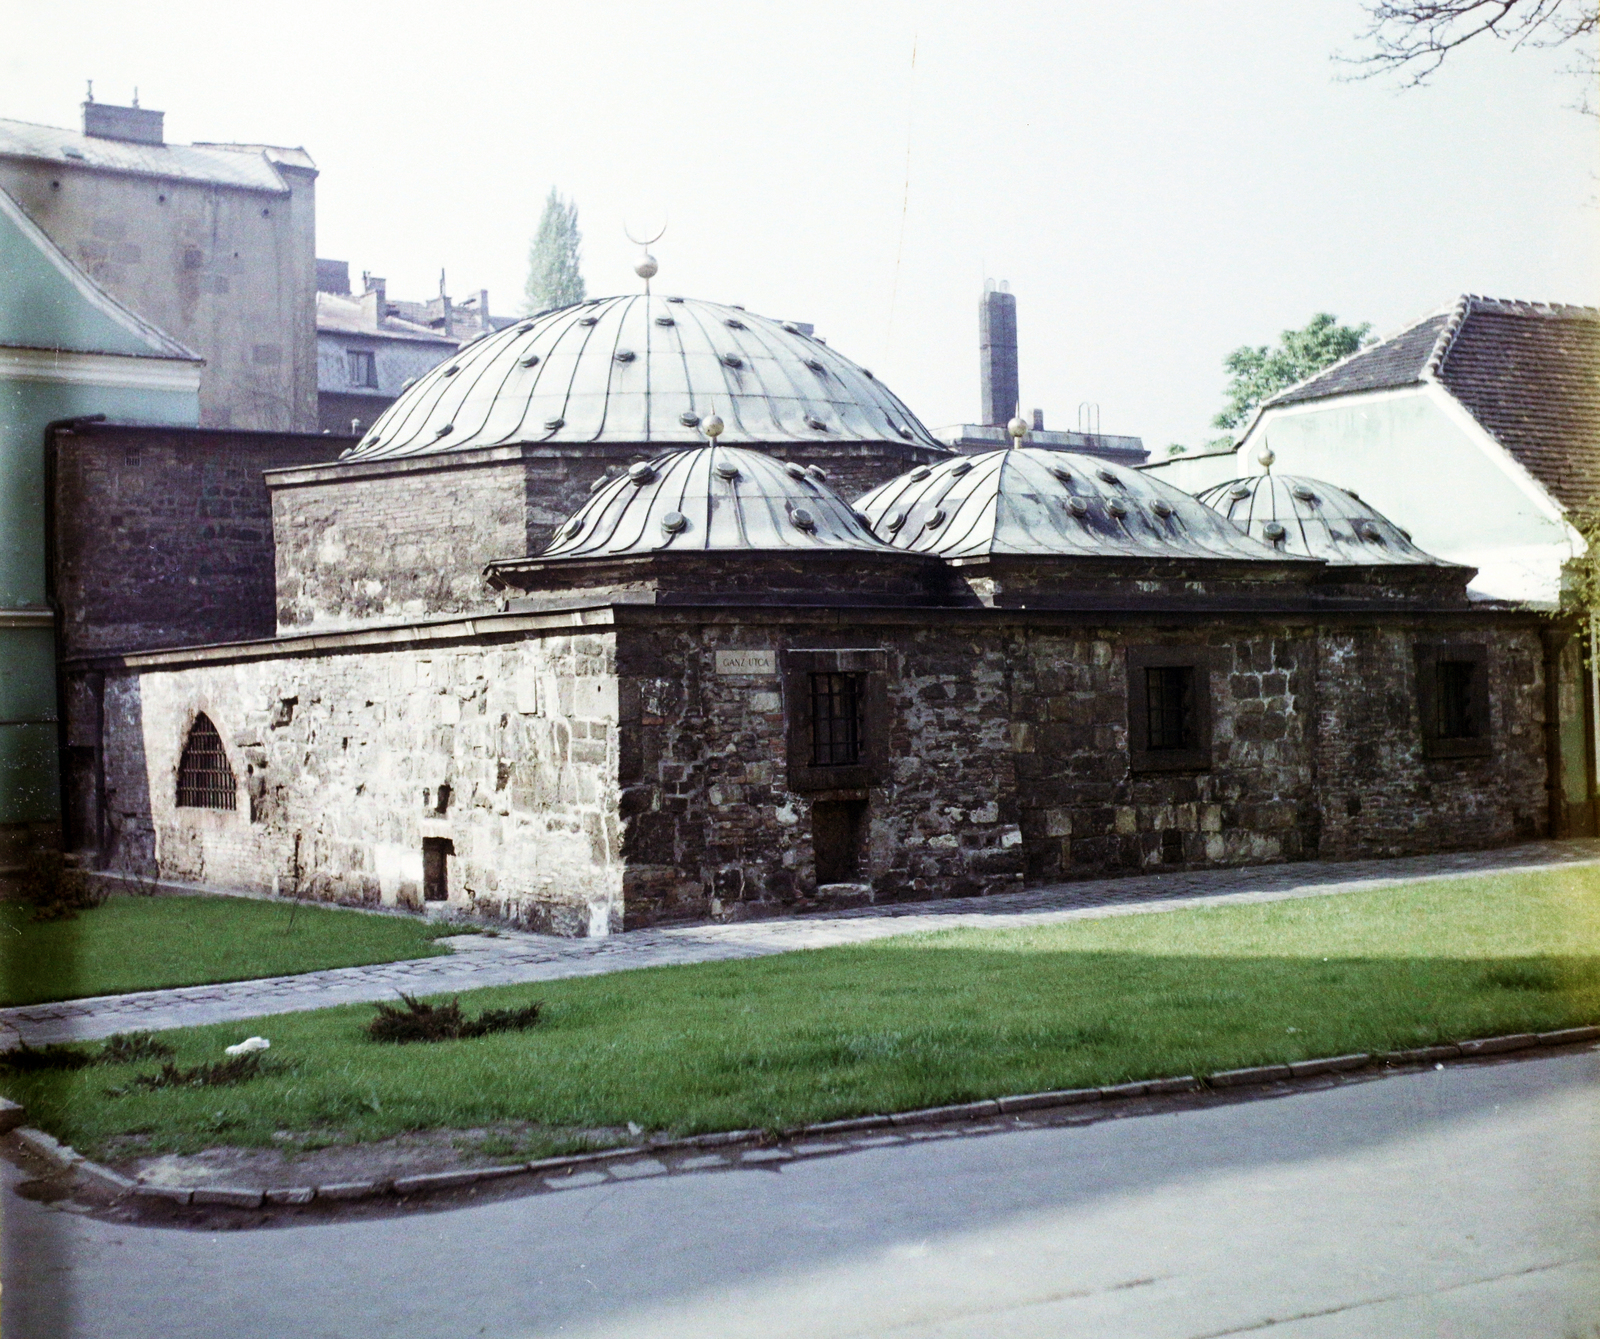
{"x": 516, "y": 957}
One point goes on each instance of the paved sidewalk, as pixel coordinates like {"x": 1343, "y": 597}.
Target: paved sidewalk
{"x": 516, "y": 957}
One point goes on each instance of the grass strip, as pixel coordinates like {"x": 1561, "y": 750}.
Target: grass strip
{"x": 151, "y": 943}
{"x": 903, "y": 1023}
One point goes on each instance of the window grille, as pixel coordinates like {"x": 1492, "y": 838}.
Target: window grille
{"x": 363, "y": 367}
{"x": 1167, "y": 706}
{"x": 1454, "y": 700}
{"x": 205, "y": 781}
{"x": 835, "y": 720}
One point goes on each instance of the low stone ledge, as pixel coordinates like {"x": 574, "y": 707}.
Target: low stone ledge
{"x": 849, "y": 1126}
{"x": 292, "y": 1195}
{"x": 1117, "y": 1091}
{"x": 176, "y": 1194}
{"x": 1569, "y": 1036}
{"x": 1244, "y": 1078}
{"x": 936, "y": 1115}
{"x": 1305, "y": 1069}
{"x": 1184, "y": 1083}
{"x": 233, "y": 1197}
{"x": 100, "y": 1178}
{"x": 48, "y": 1147}
{"x": 1421, "y": 1055}
{"x": 424, "y": 1181}
{"x": 713, "y": 1140}
{"x": 12, "y": 1114}
{"x": 1060, "y": 1097}
{"x": 1521, "y": 1041}
{"x": 351, "y": 1190}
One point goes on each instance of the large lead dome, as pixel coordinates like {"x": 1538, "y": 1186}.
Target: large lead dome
{"x": 647, "y": 370}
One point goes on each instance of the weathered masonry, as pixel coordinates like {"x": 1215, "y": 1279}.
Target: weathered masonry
{"x": 715, "y": 687}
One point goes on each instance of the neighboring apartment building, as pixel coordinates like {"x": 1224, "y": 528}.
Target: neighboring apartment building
{"x": 370, "y": 347}
{"x": 67, "y": 349}
{"x": 1480, "y": 424}
{"x": 213, "y": 243}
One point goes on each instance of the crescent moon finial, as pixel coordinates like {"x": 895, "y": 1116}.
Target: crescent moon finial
{"x": 644, "y": 241}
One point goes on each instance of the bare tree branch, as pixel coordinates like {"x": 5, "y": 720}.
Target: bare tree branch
{"x": 1416, "y": 36}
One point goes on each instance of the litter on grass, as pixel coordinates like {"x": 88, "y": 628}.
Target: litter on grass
{"x": 246, "y": 1046}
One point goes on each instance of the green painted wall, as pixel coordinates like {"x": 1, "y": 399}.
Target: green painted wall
{"x": 28, "y": 776}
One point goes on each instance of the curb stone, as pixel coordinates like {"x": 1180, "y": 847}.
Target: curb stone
{"x": 12, "y": 1114}
{"x": 762, "y": 1150}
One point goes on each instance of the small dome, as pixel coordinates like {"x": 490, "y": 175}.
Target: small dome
{"x": 1308, "y": 518}
{"x": 647, "y": 370}
{"x": 713, "y": 499}
{"x": 1034, "y": 502}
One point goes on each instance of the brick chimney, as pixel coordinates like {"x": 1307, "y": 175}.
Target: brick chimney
{"x": 997, "y": 355}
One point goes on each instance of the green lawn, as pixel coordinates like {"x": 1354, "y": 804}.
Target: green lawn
{"x": 906, "y": 1022}
{"x": 146, "y": 943}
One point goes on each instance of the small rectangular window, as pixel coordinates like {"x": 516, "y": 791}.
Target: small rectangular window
{"x": 1169, "y": 709}
{"x": 363, "y": 368}
{"x": 835, "y": 720}
{"x": 1168, "y": 706}
{"x": 1453, "y": 700}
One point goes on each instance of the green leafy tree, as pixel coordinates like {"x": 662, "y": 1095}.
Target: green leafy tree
{"x": 554, "y": 279}
{"x": 1257, "y": 374}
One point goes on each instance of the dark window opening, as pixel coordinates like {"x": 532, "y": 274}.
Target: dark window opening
{"x": 442, "y": 801}
{"x": 1169, "y": 706}
{"x": 836, "y": 720}
{"x": 205, "y": 781}
{"x": 436, "y": 868}
{"x": 363, "y": 368}
{"x": 1172, "y": 847}
{"x": 1454, "y": 696}
{"x": 836, "y": 831}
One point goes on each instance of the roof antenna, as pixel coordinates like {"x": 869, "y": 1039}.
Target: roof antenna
{"x": 91, "y": 90}
{"x": 136, "y": 95}
{"x": 645, "y": 267}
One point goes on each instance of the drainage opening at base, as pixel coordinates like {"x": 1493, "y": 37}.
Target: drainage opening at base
{"x": 837, "y": 831}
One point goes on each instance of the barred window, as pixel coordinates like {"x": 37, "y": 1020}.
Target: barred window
{"x": 1167, "y": 706}
{"x": 1455, "y": 700}
{"x": 835, "y": 720}
{"x": 205, "y": 781}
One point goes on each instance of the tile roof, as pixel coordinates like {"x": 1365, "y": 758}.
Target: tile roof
{"x": 1530, "y": 374}
{"x": 1400, "y": 360}
{"x": 244, "y": 166}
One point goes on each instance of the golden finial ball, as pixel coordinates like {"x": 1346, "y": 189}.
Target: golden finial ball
{"x": 646, "y": 266}
{"x": 712, "y": 427}
{"x": 1018, "y": 427}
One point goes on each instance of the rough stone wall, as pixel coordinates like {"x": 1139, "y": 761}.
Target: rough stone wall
{"x": 404, "y": 539}
{"x": 340, "y": 760}
{"x": 1379, "y": 795}
{"x": 164, "y": 535}
{"x": 1084, "y": 811}
{"x": 704, "y": 763}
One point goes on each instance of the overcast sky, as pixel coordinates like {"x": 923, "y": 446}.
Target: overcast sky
{"x": 1159, "y": 181}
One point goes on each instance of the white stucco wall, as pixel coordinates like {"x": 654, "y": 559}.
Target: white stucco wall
{"x": 1418, "y": 457}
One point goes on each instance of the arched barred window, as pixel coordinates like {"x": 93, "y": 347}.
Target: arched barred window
{"x": 205, "y": 781}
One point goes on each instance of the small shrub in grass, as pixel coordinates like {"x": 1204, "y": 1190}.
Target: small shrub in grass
{"x": 213, "y": 1074}
{"x": 419, "y": 1021}
{"x": 58, "y": 891}
{"x": 130, "y": 1048}
{"x": 26, "y": 1059}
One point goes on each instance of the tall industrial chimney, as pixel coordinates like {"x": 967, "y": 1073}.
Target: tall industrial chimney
{"x": 997, "y": 354}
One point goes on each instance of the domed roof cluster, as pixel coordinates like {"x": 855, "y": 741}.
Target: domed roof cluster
{"x": 1308, "y": 518}
{"x": 642, "y": 369}
{"x": 1027, "y": 501}
{"x": 712, "y": 499}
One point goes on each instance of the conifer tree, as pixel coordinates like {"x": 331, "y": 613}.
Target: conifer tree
{"x": 553, "y": 276}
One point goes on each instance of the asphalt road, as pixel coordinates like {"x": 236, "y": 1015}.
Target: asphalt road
{"x": 1455, "y": 1203}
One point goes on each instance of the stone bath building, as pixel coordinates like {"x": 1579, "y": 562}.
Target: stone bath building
{"x": 652, "y": 609}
